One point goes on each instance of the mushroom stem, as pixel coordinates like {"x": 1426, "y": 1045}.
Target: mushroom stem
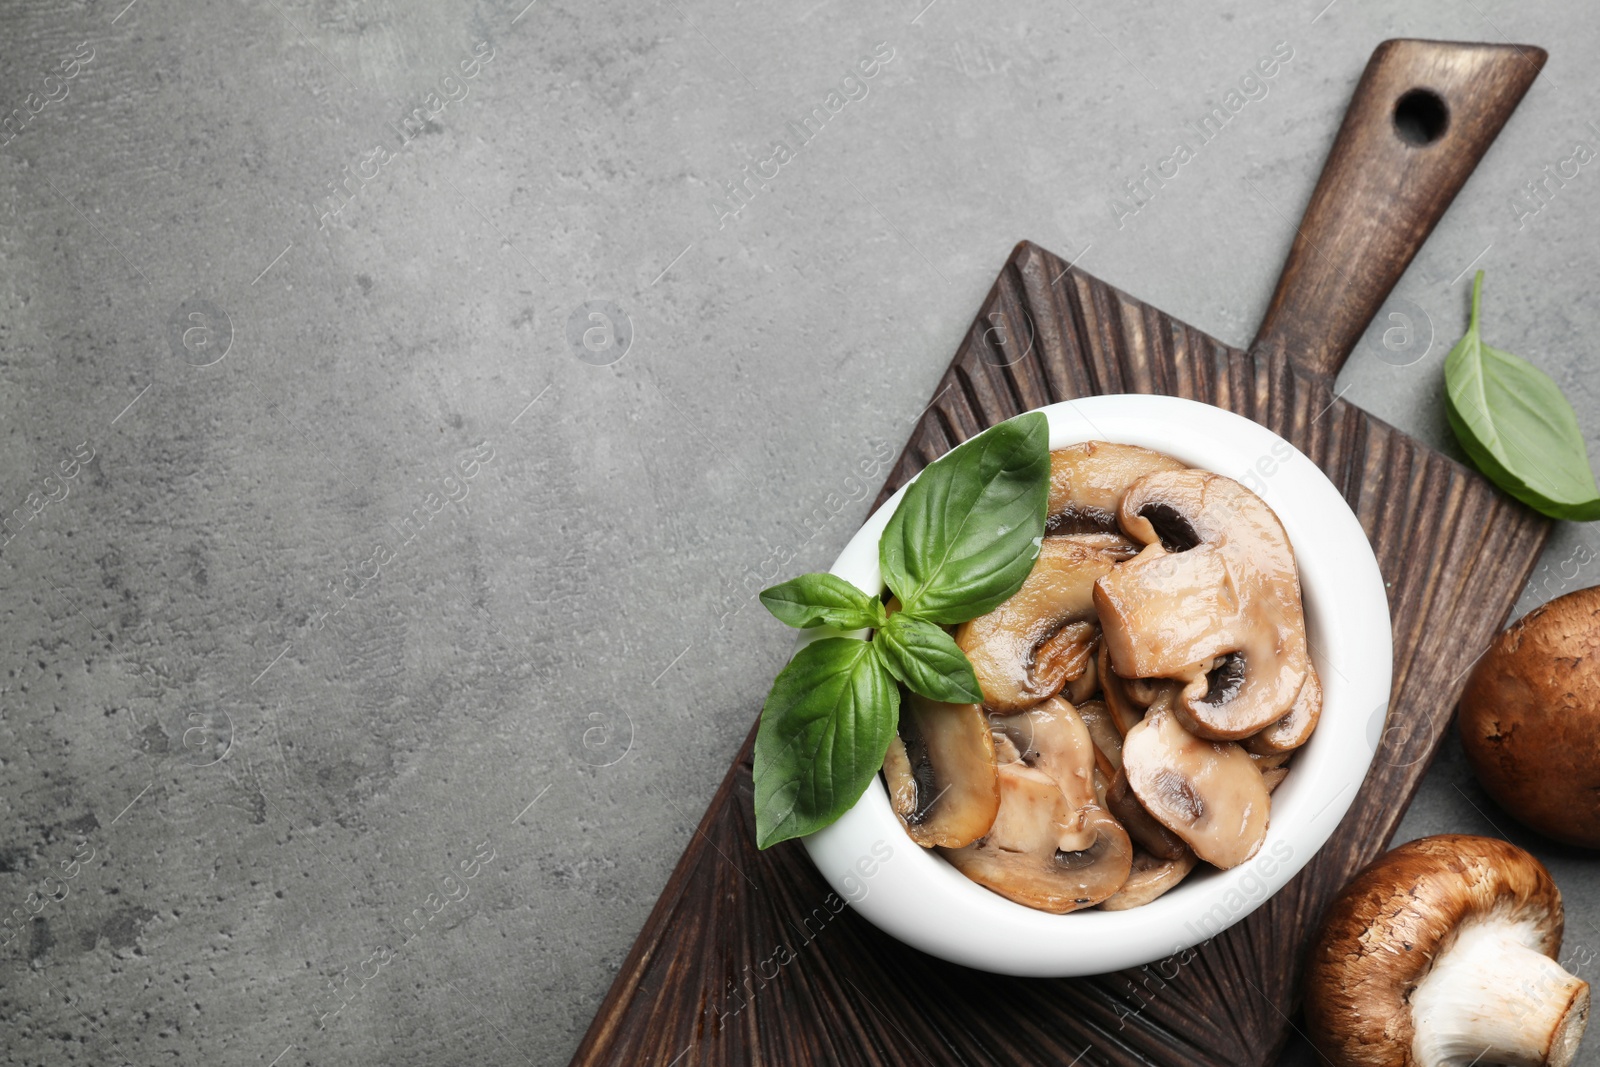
{"x": 1489, "y": 997}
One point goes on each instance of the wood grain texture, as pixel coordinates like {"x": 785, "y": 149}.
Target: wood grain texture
{"x": 1381, "y": 192}
{"x": 748, "y": 959}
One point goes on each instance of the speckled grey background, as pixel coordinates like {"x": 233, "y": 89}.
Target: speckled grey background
{"x": 350, "y": 559}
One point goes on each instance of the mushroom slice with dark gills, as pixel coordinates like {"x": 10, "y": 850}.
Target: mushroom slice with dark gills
{"x": 1026, "y": 649}
{"x": 1127, "y": 699}
{"x": 1144, "y": 829}
{"x": 1106, "y": 737}
{"x": 1085, "y": 686}
{"x": 1087, "y": 482}
{"x": 1052, "y": 738}
{"x": 1021, "y": 859}
{"x": 1051, "y": 846}
{"x": 1212, "y": 600}
{"x": 1149, "y": 877}
{"x": 941, "y": 772}
{"x": 1209, "y": 793}
{"x": 1294, "y": 729}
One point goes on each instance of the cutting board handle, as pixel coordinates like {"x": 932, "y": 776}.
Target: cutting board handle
{"x": 1422, "y": 116}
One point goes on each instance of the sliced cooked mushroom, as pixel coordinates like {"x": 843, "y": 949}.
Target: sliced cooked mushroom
{"x": 1143, "y": 828}
{"x": 1125, "y": 715}
{"x": 1207, "y": 792}
{"x": 1143, "y": 692}
{"x": 1087, "y": 482}
{"x": 1269, "y": 761}
{"x": 1004, "y": 646}
{"x": 1213, "y": 600}
{"x": 1294, "y": 729}
{"x": 1067, "y": 653}
{"x": 1148, "y": 878}
{"x": 1118, "y": 546}
{"x": 1020, "y": 860}
{"x": 941, "y": 771}
{"x": 1272, "y": 777}
{"x": 1118, "y": 692}
{"x": 1081, "y": 689}
{"x": 1052, "y": 738}
{"x": 1106, "y": 737}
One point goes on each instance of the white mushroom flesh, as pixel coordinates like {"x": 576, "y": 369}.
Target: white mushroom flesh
{"x": 1492, "y": 997}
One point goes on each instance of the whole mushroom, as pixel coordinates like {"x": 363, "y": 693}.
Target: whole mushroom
{"x": 1530, "y": 716}
{"x": 1442, "y": 952}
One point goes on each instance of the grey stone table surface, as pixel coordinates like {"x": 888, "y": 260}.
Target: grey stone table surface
{"x": 396, "y": 400}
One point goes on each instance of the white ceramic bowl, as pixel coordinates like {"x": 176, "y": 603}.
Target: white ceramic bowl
{"x": 917, "y": 897}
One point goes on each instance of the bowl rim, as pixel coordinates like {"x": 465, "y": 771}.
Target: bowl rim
{"x": 917, "y": 897}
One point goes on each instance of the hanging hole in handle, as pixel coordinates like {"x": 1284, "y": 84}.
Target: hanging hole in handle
{"x": 1420, "y": 117}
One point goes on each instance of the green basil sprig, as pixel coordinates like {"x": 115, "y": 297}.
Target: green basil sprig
{"x": 1516, "y": 426}
{"x": 961, "y": 542}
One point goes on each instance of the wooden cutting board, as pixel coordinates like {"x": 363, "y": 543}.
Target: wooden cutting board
{"x": 747, "y": 957}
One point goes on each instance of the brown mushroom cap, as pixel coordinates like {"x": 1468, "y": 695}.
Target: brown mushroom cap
{"x": 1209, "y": 793}
{"x": 941, "y": 771}
{"x": 1213, "y": 600}
{"x": 1397, "y": 921}
{"x": 1530, "y": 716}
{"x": 1029, "y": 647}
{"x": 1087, "y": 482}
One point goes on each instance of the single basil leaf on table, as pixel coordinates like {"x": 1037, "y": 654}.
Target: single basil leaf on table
{"x": 927, "y": 660}
{"x": 1516, "y": 426}
{"x": 815, "y": 599}
{"x": 968, "y": 529}
{"x": 824, "y": 730}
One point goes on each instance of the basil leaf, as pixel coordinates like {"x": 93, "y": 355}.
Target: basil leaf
{"x": 824, "y": 730}
{"x": 814, "y": 599}
{"x": 927, "y": 660}
{"x": 968, "y": 529}
{"x": 1516, "y": 426}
